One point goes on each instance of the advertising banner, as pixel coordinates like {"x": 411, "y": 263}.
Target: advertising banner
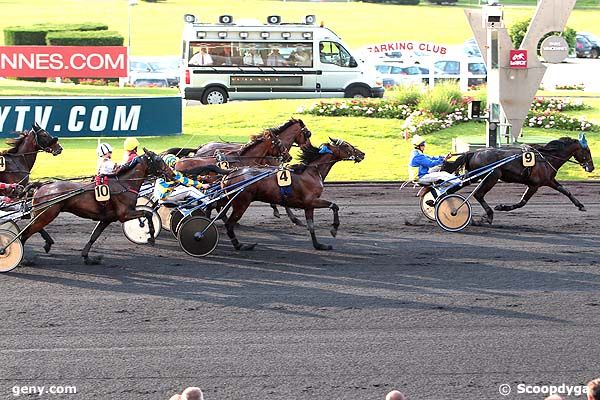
{"x": 92, "y": 116}
{"x": 63, "y": 61}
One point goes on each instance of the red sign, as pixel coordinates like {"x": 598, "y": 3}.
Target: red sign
{"x": 63, "y": 61}
{"x": 518, "y": 58}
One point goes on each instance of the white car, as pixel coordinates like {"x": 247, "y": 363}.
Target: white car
{"x": 154, "y": 71}
{"x": 401, "y": 74}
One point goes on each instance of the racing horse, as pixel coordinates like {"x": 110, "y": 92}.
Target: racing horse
{"x": 290, "y": 132}
{"x": 20, "y": 158}
{"x": 549, "y": 159}
{"x": 293, "y": 131}
{"x": 124, "y": 187}
{"x": 260, "y": 150}
{"x": 305, "y": 190}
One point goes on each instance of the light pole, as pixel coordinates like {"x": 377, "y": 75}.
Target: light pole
{"x": 131, "y": 4}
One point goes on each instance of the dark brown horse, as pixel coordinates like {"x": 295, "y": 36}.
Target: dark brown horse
{"x": 20, "y": 158}
{"x": 124, "y": 188}
{"x": 548, "y": 160}
{"x": 261, "y": 150}
{"x": 304, "y": 192}
{"x": 292, "y": 131}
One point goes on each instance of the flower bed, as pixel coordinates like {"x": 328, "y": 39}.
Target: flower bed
{"x": 556, "y": 120}
{"x": 360, "y": 108}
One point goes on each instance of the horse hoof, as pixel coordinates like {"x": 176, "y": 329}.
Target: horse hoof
{"x": 297, "y": 222}
{"x": 582, "y": 208}
{"x": 333, "y": 232}
{"x": 320, "y": 246}
{"x": 276, "y": 214}
{"x": 247, "y": 247}
{"x": 27, "y": 262}
{"x": 92, "y": 260}
{"x": 501, "y": 207}
{"x": 47, "y": 247}
{"x": 151, "y": 242}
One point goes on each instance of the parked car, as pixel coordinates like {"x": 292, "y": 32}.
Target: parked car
{"x": 594, "y": 41}
{"x": 471, "y": 48}
{"x": 583, "y": 47}
{"x": 145, "y": 71}
{"x": 400, "y": 74}
{"x": 450, "y": 69}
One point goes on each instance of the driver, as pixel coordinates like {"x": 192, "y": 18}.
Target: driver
{"x": 426, "y": 169}
{"x": 180, "y": 187}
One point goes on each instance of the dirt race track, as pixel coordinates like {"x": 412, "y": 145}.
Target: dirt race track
{"x": 437, "y": 315}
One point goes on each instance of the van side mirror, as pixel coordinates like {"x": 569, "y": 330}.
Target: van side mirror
{"x": 352, "y": 63}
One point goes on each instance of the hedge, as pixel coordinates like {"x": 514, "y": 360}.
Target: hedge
{"x": 36, "y": 34}
{"x": 81, "y": 38}
{"x": 405, "y": 2}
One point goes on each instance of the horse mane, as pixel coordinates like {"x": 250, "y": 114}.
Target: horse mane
{"x": 558, "y": 144}
{"x": 254, "y": 140}
{"x": 308, "y": 154}
{"x": 278, "y": 129}
{"x": 14, "y": 143}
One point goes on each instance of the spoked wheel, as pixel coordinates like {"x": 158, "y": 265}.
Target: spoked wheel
{"x": 143, "y": 201}
{"x": 12, "y": 253}
{"x": 10, "y": 226}
{"x": 164, "y": 213}
{"x": 177, "y": 216}
{"x": 194, "y": 237}
{"x": 428, "y": 211}
{"x": 137, "y": 230}
{"x": 453, "y": 213}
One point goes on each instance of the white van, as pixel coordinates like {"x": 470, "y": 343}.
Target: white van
{"x": 250, "y": 60}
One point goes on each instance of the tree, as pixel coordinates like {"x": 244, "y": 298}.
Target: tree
{"x": 518, "y": 30}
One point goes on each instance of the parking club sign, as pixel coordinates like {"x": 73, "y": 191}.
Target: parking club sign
{"x": 518, "y": 58}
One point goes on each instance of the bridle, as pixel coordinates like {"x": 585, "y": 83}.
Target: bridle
{"x": 39, "y": 147}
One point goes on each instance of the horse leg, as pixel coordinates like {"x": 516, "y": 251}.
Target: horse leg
{"x": 48, "y": 239}
{"x": 93, "y": 237}
{"x": 531, "y": 190}
{"x": 238, "y": 210}
{"x": 560, "y": 188}
{"x": 275, "y": 211}
{"x": 309, "y": 213}
{"x": 48, "y": 215}
{"x": 489, "y": 182}
{"x": 293, "y": 218}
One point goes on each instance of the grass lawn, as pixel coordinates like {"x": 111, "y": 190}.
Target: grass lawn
{"x": 386, "y": 152}
{"x": 12, "y": 87}
{"x": 357, "y": 23}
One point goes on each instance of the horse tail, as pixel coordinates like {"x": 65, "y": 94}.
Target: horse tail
{"x": 462, "y": 160}
{"x": 30, "y": 189}
{"x": 206, "y": 169}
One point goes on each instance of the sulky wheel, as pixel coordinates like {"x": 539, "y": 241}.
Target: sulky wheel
{"x": 177, "y": 216}
{"x": 453, "y": 213}
{"x": 428, "y": 211}
{"x": 137, "y": 229}
{"x": 194, "y": 237}
{"x": 11, "y": 226}
{"x": 11, "y": 254}
{"x": 164, "y": 213}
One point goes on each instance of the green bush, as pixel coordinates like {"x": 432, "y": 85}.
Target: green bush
{"x": 518, "y": 30}
{"x": 407, "y": 94}
{"x": 36, "y": 34}
{"x": 88, "y": 38}
{"x": 442, "y": 99}
{"x": 405, "y": 2}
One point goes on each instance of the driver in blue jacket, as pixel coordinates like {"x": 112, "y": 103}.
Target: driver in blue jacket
{"x": 426, "y": 169}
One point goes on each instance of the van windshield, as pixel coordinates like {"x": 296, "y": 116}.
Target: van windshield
{"x": 334, "y": 53}
{"x": 256, "y": 54}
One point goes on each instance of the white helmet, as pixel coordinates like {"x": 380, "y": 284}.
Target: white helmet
{"x": 418, "y": 140}
{"x": 103, "y": 149}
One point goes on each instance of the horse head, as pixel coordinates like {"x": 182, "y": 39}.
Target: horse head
{"x": 345, "y": 151}
{"x": 583, "y": 155}
{"x": 156, "y": 166}
{"x": 302, "y": 134}
{"x": 277, "y": 148}
{"x": 44, "y": 141}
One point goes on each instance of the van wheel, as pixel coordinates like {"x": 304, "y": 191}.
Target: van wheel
{"x": 214, "y": 95}
{"x": 358, "y": 93}
{"x": 594, "y": 53}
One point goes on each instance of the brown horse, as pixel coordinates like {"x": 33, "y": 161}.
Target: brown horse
{"x": 124, "y": 188}
{"x": 305, "y": 190}
{"x": 292, "y": 131}
{"x": 20, "y": 158}
{"x": 548, "y": 160}
{"x": 261, "y": 150}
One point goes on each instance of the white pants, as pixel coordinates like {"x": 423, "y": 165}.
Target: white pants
{"x": 180, "y": 193}
{"x": 433, "y": 177}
